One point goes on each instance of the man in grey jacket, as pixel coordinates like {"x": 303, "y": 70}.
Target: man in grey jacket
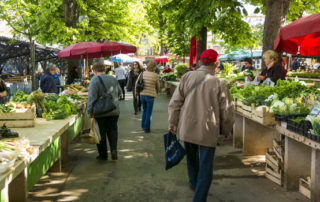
{"x": 201, "y": 108}
{"x": 108, "y": 123}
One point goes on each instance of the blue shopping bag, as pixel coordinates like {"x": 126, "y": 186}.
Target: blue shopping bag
{"x": 174, "y": 152}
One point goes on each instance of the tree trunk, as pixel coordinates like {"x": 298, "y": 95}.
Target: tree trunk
{"x": 71, "y": 13}
{"x": 33, "y": 63}
{"x": 201, "y": 42}
{"x": 276, "y": 11}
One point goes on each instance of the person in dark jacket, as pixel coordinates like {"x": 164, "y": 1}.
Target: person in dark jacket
{"x": 4, "y": 98}
{"x": 73, "y": 74}
{"x": 272, "y": 70}
{"x": 108, "y": 122}
{"x": 47, "y": 82}
{"x": 247, "y": 64}
{"x": 131, "y": 85}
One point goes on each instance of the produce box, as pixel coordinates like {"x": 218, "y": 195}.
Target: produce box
{"x": 261, "y": 116}
{"x": 21, "y": 118}
{"x": 274, "y": 167}
{"x": 19, "y": 79}
{"x": 305, "y": 187}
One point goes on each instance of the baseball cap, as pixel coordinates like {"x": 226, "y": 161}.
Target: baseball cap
{"x": 209, "y": 56}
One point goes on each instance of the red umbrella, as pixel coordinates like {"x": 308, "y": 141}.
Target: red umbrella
{"x": 112, "y": 48}
{"x": 162, "y": 59}
{"x": 79, "y": 50}
{"x": 303, "y": 33}
{"x": 193, "y": 51}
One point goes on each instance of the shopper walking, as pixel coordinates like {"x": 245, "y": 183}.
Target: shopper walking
{"x": 108, "y": 123}
{"x": 147, "y": 95}
{"x": 131, "y": 85}
{"x": 121, "y": 77}
{"x": 201, "y": 109}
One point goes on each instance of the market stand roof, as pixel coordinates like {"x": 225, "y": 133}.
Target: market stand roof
{"x": 13, "y": 48}
{"x": 239, "y": 55}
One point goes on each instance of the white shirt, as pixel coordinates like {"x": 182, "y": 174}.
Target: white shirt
{"x": 120, "y": 73}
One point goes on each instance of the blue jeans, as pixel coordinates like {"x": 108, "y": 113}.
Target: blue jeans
{"x": 147, "y": 105}
{"x": 200, "y": 169}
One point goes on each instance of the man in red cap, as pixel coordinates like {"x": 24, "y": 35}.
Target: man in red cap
{"x": 200, "y": 110}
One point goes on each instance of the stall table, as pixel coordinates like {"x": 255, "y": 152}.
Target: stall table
{"x": 301, "y": 159}
{"x": 50, "y": 140}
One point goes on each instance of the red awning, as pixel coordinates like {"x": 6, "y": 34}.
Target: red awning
{"x": 112, "y": 48}
{"x": 95, "y": 50}
{"x": 193, "y": 52}
{"x": 162, "y": 59}
{"x": 302, "y": 35}
{"x": 78, "y": 50}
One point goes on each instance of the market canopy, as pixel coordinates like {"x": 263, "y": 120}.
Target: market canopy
{"x": 239, "y": 55}
{"x": 112, "y": 48}
{"x": 123, "y": 58}
{"x": 162, "y": 59}
{"x": 16, "y": 53}
{"x": 302, "y": 35}
{"x": 79, "y": 50}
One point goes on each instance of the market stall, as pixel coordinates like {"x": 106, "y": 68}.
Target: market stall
{"x": 63, "y": 118}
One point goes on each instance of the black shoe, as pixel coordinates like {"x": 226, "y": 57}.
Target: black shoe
{"x": 192, "y": 187}
{"x": 101, "y": 158}
{"x": 114, "y": 155}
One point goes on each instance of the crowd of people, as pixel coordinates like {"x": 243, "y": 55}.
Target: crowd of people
{"x": 199, "y": 110}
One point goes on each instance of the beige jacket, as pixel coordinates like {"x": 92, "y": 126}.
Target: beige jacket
{"x": 151, "y": 84}
{"x": 206, "y": 112}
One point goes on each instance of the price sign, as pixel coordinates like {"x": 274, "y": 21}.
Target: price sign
{"x": 316, "y": 110}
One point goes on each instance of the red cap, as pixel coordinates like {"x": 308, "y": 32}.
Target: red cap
{"x": 209, "y": 56}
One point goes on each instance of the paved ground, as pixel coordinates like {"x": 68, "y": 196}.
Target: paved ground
{"x": 139, "y": 174}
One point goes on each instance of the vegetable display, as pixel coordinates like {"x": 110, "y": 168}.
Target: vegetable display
{"x": 315, "y": 74}
{"x": 58, "y": 107}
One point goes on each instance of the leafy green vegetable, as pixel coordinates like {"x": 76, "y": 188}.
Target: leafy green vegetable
{"x": 21, "y": 97}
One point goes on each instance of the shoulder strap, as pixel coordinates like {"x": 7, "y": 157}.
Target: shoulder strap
{"x": 141, "y": 77}
{"x": 194, "y": 86}
{"x": 104, "y": 87}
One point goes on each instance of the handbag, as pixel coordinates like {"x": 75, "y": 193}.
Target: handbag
{"x": 104, "y": 103}
{"x": 93, "y": 137}
{"x": 174, "y": 152}
{"x": 140, "y": 84}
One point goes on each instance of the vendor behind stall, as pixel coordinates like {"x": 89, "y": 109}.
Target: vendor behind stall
{"x": 247, "y": 65}
{"x": 272, "y": 70}
{"x": 48, "y": 83}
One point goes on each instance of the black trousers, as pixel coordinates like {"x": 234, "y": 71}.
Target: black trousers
{"x": 108, "y": 127}
{"x": 122, "y": 84}
{"x": 136, "y": 103}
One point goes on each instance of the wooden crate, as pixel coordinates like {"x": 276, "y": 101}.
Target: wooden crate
{"x": 274, "y": 167}
{"x": 263, "y": 117}
{"x": 304, "y": 187}
{"x": 273, "y": 161}
{"x": 278, "y": 149}
{"x": 19, "y": 119}
{"x": 274, "y": 176}
{"x": 19, "y": 79}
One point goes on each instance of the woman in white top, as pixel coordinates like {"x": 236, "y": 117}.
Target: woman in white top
{"x": 121, "y": 77}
